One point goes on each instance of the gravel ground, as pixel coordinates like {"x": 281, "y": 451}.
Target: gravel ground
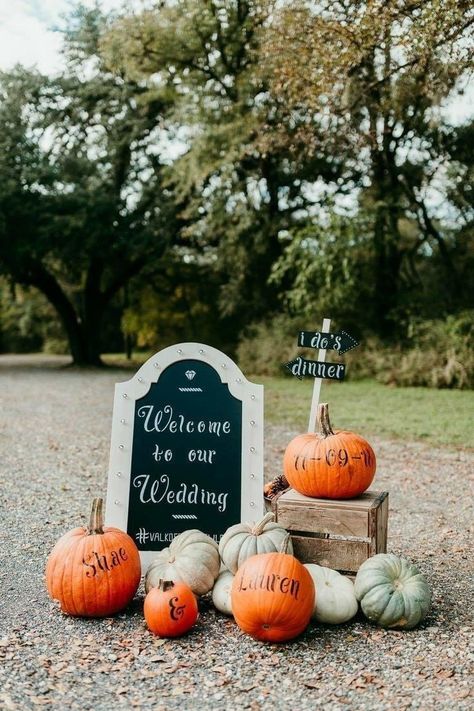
{"x": 54, "y": 440}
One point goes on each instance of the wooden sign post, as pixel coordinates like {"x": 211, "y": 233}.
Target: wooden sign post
{"x": 186, "y": 448}
{"x": 317, "y": 382}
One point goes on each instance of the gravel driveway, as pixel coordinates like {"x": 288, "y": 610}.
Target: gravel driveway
{"x": 54, "y": 442}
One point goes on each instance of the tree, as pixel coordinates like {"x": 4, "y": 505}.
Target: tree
{"x": 240, "y": 194}
{"x": 83, "y": 208}
{"x": 329, "y": 268}
{"x": 179, "y": 302}
{"x": 375, "y": 73}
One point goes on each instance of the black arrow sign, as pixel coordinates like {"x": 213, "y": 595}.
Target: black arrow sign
{"x": 316, "y": 369}
{"x": 339, "y": 341}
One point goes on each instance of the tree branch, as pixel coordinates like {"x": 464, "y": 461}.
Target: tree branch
{"x": 122, "y": 277}
{"x": 425, "y": 222}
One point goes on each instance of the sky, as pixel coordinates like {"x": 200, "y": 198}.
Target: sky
{"x": 28, "y": 36}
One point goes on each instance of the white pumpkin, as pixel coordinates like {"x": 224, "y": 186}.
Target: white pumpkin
{"x": 244, "y": 540}
{"x": 221, "y": 592}
{"x": 335, "y": 600}
{"x": 193, "y": 557}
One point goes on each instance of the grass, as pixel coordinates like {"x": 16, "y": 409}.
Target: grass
{"x": 370, "y": 408}
{"x": 365, "y": 406}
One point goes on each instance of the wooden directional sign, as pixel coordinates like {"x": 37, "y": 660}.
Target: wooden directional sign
{"x": 339, "y": 341}
{"x": 316, "y": 369}
{"x": 325, "y": 339}
{"x": 186, "y": 448}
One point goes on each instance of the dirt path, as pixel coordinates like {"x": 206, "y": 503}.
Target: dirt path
{"x": 54, "y": 441}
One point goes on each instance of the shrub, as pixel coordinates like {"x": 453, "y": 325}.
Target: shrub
{"x": 437, "y": 353}
{"x": 265, "y": 347}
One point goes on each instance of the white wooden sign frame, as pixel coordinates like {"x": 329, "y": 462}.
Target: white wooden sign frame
{"x": 126, "y": 394}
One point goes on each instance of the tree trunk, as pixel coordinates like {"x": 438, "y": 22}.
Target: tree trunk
{"x": 386, "y": 192}
{"x": 387, "y": 241}
{"x": 90, "y": 355}
{"x": 127, "y": 339}
{"x": 93, "y": 312}
{"x": 83, "y": 330}
{"x": 83, "y": 337}
{"x": 387, "y": 271}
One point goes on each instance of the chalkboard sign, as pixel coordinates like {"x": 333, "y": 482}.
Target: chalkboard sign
{"x": 186, "y": 448}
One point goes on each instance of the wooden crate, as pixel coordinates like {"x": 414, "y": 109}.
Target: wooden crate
{"x": 338, "y": 534}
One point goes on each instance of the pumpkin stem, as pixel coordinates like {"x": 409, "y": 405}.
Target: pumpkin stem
{"x": 258, "y": 527}
{"x": 165, "y": 585}
{"x": 284, "y": 545}
{"x": 96, "y": 521}
{"x": 325, "y": 429}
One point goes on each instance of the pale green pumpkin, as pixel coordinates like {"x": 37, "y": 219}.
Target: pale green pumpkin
{"x": 244, "y": 540}
{"x": 392, "y": 592}
{"x": 221, "y": 592}
{"x": 192, "y": 558}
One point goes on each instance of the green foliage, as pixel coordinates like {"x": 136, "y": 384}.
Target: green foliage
{"x": 236, "y": 195}
{"x": 375, "y": 76}
{"x": 179, "y": 303}
{"x": 82, "y": 203}
{"x": 266, "y": 121}
{"x": 203, "y": 165}
{"x": 28, "y": 322}
{"x": 328, "y": 268}
{"x": 436, "y": 353}
{"x": 265, "y": 347}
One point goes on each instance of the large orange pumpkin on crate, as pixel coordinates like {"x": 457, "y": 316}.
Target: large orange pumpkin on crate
{"x": 329, "y": 464}
{"x": 273, "y": 596}
{"x": 95, "y": 571}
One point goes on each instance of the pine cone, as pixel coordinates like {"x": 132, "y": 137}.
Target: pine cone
{"x": 275, "y": 487}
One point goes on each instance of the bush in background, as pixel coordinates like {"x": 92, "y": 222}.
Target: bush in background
{"x": 437, "y": 353}
{"x": 28, "y": 323}
{"x": 266, "y": 347}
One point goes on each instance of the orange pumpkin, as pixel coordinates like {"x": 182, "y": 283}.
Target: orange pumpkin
{"x": 95, "y": 571}
{"x": 170, "y": 609}
{"x": 272, "y": 596}
{"x": 328, "y": 464}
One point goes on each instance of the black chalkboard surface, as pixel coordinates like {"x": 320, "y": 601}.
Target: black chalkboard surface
{"x": 186, "y": 456}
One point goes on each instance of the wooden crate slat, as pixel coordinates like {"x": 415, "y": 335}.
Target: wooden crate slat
{"x": 337, "y": 554}
{"x": 339, "y": 534}
{"x": 382, "y": 526}
{"x": 332, "y": 520}
{"x": 362, "y": 502}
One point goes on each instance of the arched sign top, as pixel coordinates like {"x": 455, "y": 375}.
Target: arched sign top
{"x": 186, "y": 447}
{"x": 228, "y": 371}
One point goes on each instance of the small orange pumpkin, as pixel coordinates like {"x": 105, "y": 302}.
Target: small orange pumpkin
{"x": 95, "y": 571}
{"x": 273, "y": 596}
{"x": 170, "y": 609}
{"x": 329, "y": 464}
